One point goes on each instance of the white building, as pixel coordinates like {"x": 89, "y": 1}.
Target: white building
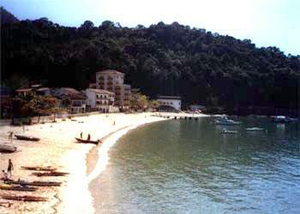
{"x": 169, "y": 103}
{"x": 100, "y": 100}
{"x": 113, "y": 81}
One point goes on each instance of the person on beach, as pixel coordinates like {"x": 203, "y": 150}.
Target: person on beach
{"x": 5, "y": 175}
{"x": 10, "y": 135}
{"x": 10, "y": 167}
{"x": 81, "y": 135}
{"x": 89, "y": 137}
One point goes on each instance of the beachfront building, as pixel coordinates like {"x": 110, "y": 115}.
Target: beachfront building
{"x": 113, "y": 81}
{"x": 72, "y": 99}
{"x": 169, "y": 103}
{"x": 100, "y": 100}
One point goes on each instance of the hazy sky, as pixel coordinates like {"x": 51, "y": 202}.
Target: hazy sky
{"x": 265, "y": 22}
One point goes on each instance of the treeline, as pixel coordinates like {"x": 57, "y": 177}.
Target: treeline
{"x": 200, "y": 66}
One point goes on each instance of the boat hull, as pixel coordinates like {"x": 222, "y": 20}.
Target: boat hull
{"x": 86, "y": 141}
{"x": 5, "y": 148}
{"x": 23, "y": 137}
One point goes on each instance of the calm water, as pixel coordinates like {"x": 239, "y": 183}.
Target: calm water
{"x": 184, "y": 166}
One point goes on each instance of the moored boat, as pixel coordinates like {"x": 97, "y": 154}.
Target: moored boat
{"x": 24, "y": 137}
{"x": 7, "y": 148}
{"x": 225, "y": 131}
{"x": 87, "y": 141}
{"x": 227, "y": 122}
{"x": 255, "y": 129}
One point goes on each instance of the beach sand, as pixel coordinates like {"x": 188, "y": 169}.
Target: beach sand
{"x": 58, "y": 148}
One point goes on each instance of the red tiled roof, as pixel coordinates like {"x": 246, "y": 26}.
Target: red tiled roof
{"x": 100, "y": 91}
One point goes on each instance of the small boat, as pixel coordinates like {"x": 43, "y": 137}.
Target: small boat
{"x": 24, "y": 137}
{"x": 7, "y": 148}
{"x": 87, "y": 141}
{"x": 255, "y": 129}
{"x": 227, "y": 122}
{"x": 17, "y": 188}
{"x": 24, "y": 198}
{"x": 52, "y": 173}
{"x": 225, "y": 131}
{"x": 35, "y": 183}
{"x": 38, "y": 168}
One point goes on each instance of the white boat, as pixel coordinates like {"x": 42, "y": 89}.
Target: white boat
{"x": 8, "y": 148}
{"x": 225, "y": 131}
{"x": 227, "y": 122}
{"x": 283, "y": 119}
{"x": 255, "y": 129}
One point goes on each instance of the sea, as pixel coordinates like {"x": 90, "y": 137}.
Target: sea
{"x": 189, "y": 166}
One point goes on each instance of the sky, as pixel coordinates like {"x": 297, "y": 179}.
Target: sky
{"x": 265, "y": 22}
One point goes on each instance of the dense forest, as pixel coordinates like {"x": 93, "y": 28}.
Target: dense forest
{"x": 200, "y": 66}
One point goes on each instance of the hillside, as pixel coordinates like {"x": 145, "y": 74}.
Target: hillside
{"x": 200, "y": 66}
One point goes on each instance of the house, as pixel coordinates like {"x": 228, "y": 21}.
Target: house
{"x": 100, "y": 100}
{"x": 169, "y": 103}
{"x": 72, "y": 99}
{"x": 113, "y": 81}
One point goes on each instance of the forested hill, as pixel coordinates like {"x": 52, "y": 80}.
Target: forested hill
{"x": 200, "y": 66}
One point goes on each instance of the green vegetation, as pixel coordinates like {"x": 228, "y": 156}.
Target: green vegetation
{"x": 202, "y": 67}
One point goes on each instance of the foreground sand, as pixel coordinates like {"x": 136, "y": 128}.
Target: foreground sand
{"x": 58, "y": 149}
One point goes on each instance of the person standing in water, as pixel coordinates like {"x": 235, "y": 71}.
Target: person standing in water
{"x": 10, "y": 167}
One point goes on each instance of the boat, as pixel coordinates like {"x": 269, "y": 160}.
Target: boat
{"x": 17, "y": 187}
{"x": 283, "y": 119}
{"x": 52, "y": 173}
{"x": 38, "y": 168}
{"x": 34, "y": 183}
{"x": 24, "y": 198}
{"x": 225, "y": 131}
{"x": 227, "y": 122}
{"x": 24, "y": 137}
{"x": 87, "y": 141}
{"x": 255, "y": 129}
{"x": 7, "y": 148}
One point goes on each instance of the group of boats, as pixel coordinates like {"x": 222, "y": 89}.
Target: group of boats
{"x": 225, "y": 121}
{"x": 30, "y": 186}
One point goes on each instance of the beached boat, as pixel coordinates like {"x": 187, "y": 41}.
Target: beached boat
{"x": 227, "y": 122}
{"x": 24, "y": 137}
{"x": 87, "y": 141}
{"x": 17, "y": 188}
{"x": 255, "y": 129}
{"x": 225, "y": 131}
{"x": 52, "y": 173}
{"x": 38, "y": 168}
{"x": 24, "y": 198}
{"x": 7, "y": 148}
{"x": 35, "y": 183}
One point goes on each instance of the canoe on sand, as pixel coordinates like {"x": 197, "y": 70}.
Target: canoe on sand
{"x": 7, "y": 148}
{"x": 52, "y": 173}
{"x": 17, "y": 188}
{"x": 24, "y": 198}
{"x": 35, "y": 183}
{"x": 24, "y": 137}
{"x": 87, "y": 141}
{"x": 38, "y": 168}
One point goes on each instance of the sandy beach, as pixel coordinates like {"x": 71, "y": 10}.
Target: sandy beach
{"x": 58, "y": 148}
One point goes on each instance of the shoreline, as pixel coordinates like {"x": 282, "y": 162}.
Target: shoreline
{"x": 57, "y": 148}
